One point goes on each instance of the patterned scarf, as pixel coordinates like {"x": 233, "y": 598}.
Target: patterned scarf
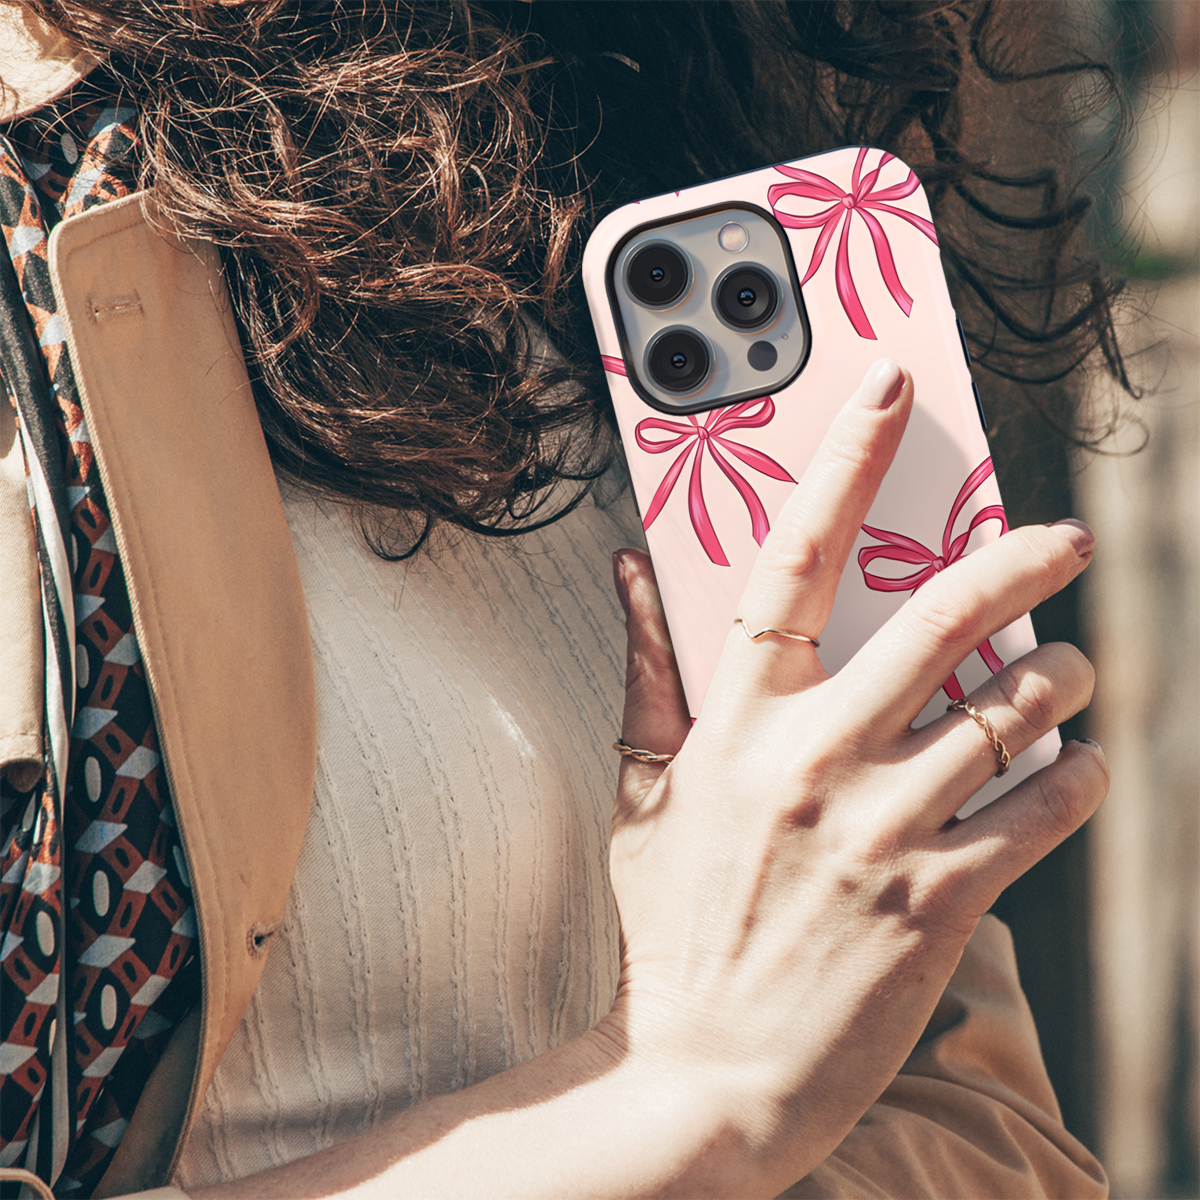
{"x": 98, "y": 958}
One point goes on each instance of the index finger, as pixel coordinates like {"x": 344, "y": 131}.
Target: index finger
{"x": 795, "y": 578}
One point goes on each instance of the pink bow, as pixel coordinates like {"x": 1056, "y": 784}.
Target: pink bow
{"x": 898, "y": 548}
{"x": 696, "y": 437}
{"x": 860, "y": 199}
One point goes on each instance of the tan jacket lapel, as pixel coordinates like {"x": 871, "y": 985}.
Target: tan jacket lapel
{"x": 217, "y": 607}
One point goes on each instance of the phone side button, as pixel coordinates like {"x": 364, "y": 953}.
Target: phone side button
{"x": 962, "y": 338}
{"x": 979, "y": 405}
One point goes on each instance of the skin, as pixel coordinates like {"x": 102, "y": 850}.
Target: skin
{"x": 794, "y": 890}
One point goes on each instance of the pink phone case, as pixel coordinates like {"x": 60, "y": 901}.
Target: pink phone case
{"x": 708, "y": 485}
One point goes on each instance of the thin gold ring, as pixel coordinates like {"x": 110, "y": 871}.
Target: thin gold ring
{"x": 981, "y": 720}
{"x": 783, "y": 633}
{"x": 625, "y": 750}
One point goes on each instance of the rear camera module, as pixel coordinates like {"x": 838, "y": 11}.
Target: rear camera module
{"x": 657, "y": 275}
{"x": 679, "y": 360}
{"x": 745, "y": 297}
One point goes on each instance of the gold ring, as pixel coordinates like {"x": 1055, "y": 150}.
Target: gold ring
{"x": 625, "y": 750}
{"x": 783, "y": 633}
{"x": 981, "y": 720}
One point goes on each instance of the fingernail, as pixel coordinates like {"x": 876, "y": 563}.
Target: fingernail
{"x": 1080, "y": 742}
{"x": 883, "y": 385}
{"x": 619, "y": 581}
{"x": 1077, "y": 533}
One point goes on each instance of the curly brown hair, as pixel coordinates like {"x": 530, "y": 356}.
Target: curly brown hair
{"x": 399, "y": 193}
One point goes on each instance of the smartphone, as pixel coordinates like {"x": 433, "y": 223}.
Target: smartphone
{"x": 734, "y": 320}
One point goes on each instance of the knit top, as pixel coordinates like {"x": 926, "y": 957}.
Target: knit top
{"x": 451, "y": 914}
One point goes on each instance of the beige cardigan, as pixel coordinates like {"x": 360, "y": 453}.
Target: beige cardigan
{"x": 221, "y": 622}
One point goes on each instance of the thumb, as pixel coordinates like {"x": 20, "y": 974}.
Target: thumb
{"x": 656, "y": 717}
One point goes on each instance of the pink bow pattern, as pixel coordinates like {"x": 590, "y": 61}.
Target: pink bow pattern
{"x": 862, "y": 198}
{"x": 896, "y": 547}
{"x": 709, "y": 436}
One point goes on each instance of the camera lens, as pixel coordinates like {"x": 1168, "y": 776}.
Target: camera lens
{"x": 746, "y": 297}
{"x": 679, "y": 360}
{"x": 657, "y": 275}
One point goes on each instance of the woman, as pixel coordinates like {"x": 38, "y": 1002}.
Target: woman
{"x": 444, "y": 1008}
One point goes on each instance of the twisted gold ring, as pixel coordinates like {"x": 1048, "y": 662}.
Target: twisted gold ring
{"x": 625, "y": 750}
{"x": 783, "y": 633}
{"x": 981, "y": 720}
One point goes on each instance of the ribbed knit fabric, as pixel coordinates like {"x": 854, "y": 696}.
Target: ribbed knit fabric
{"x": 451, "y": 913}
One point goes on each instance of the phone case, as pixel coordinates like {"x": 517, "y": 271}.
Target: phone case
{"x": 708, "y": 485}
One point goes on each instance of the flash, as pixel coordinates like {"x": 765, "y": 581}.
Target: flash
{"x": 732, "y": 237}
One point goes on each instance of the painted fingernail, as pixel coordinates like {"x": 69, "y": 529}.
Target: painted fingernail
{"x": 1077, "y": 533}
{"x": 883, "y": 385}
{"x": 619, "y": 581}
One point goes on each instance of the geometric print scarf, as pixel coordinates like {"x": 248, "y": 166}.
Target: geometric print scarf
{"x": 98, "y": 953}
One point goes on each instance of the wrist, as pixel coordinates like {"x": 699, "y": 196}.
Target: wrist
{"x": 712, "y": 1125}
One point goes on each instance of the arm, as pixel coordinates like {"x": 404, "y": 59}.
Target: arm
{"x": 970, "y": 1114}
{"x": 794, "y": 894}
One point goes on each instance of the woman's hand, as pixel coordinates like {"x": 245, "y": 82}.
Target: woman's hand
{"x": 794, "y": 889}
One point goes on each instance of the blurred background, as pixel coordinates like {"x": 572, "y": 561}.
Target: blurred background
{"x": 1108, "y": 927}
{"x": 1141, "y": 619}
